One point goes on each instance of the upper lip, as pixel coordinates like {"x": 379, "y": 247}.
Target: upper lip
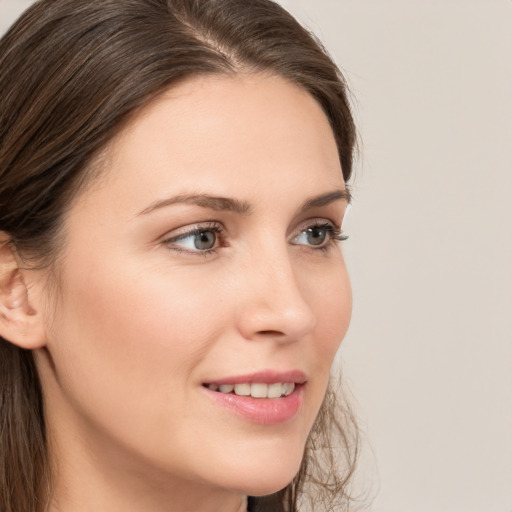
{"x": 265, "y": 377}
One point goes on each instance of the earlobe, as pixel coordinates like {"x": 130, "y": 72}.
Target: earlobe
{"x": 20, "y": 323}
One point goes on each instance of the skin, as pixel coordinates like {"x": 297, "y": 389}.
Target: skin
{"x": 141, "y": 323}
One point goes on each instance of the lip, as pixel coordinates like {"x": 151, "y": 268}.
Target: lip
{"x": 265, "y": 377}
{"x": 261, "y": 411}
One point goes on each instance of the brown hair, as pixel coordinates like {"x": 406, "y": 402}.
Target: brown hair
{"x": 71, "y": 74}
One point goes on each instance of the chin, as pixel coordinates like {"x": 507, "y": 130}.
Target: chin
{"x": 264, "y": 488}
{"x": 263, "y": 485}
{"x": 262, "y": 477}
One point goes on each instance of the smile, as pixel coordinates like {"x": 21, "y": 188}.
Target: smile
{"x": 255, "y": 389}
{"x": 265, "y": 398}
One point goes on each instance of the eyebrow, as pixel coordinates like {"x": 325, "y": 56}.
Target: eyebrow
{"x": 328, "y": 198}
{"x": 204, "y": 201}
{"x": 241, "y": 207}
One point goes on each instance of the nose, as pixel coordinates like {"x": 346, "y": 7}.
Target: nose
{"x": 273, "y": 304}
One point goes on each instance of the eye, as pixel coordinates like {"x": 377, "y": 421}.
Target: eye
{"x": 315, "y": 235}
{"x": 200, "y": 240}
{"x": 204, "y": 240}
{"x": 319, "y": 235}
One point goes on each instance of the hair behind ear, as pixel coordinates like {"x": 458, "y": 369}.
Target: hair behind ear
{"x": 24, "y": 475}
{"x": 23, "y": 460}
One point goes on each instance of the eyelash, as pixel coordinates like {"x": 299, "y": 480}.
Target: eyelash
{"x": 201, "y": 228}
{"x": 335, "y": 235}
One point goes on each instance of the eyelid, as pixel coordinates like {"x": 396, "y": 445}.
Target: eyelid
{"x": 316, "y": 221}
{"x": 189, "y": 229}
{"x": 170, "y": 238}
{"x": 334, "y": 234}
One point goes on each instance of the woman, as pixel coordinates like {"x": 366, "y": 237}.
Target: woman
{"x": 172, "y": 189}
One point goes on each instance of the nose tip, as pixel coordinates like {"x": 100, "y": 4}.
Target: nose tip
{"x": 276, "y": 308}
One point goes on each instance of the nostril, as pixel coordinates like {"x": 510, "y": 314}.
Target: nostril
{"x": 271, "y": 333}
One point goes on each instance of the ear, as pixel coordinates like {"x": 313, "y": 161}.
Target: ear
{"x": 20, "y": 323}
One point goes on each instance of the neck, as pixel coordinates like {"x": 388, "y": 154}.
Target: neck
{"x": 84, "y": 481}
{"x": 102, "y": 496}
{"x": 93, "y": 471}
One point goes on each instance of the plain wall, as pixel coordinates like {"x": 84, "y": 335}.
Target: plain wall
{"x": 429, "y": 352}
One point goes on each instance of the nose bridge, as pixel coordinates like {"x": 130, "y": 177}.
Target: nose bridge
{"x": 274, "y": 302}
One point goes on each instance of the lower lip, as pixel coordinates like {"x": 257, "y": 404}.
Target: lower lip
{"x": 262, "y": 411}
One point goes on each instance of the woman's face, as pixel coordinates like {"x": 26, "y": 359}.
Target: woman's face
{"x": 204, "y": 255}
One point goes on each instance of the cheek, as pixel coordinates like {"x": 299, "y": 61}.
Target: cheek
{"x": 329, "y": 295}
{"x": 332, "y": 301}
{"x": 126, "y": 336}
{"x": 146, "y": 315}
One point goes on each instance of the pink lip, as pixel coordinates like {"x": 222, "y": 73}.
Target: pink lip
{"x": 263, "y": 411}
{"x": 265, "y": 377}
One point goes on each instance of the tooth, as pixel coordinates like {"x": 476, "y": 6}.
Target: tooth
{"x": 213, "y": 387}
{"x": 242, "y": 389}
{"x": 226, "y": 388}
{"x": 275, "y": 390}
{"x": 259, "y": 390}
{"x": 288, "y": 388}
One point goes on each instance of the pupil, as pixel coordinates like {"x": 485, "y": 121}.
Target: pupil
{"x": 205, "y": 240}
{"x": 316, "y": 236}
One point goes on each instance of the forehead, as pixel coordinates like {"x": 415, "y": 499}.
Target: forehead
{"x": 213, "y": 132}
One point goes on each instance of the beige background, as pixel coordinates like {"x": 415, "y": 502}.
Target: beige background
{"x": 429, "y": 353}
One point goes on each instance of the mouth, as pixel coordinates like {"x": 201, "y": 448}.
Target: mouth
{"x": 255, "y": 389}
{"x": 265, "y": 398}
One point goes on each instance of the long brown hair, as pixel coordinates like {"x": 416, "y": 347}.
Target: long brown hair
{"x": 71, "y": 74}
